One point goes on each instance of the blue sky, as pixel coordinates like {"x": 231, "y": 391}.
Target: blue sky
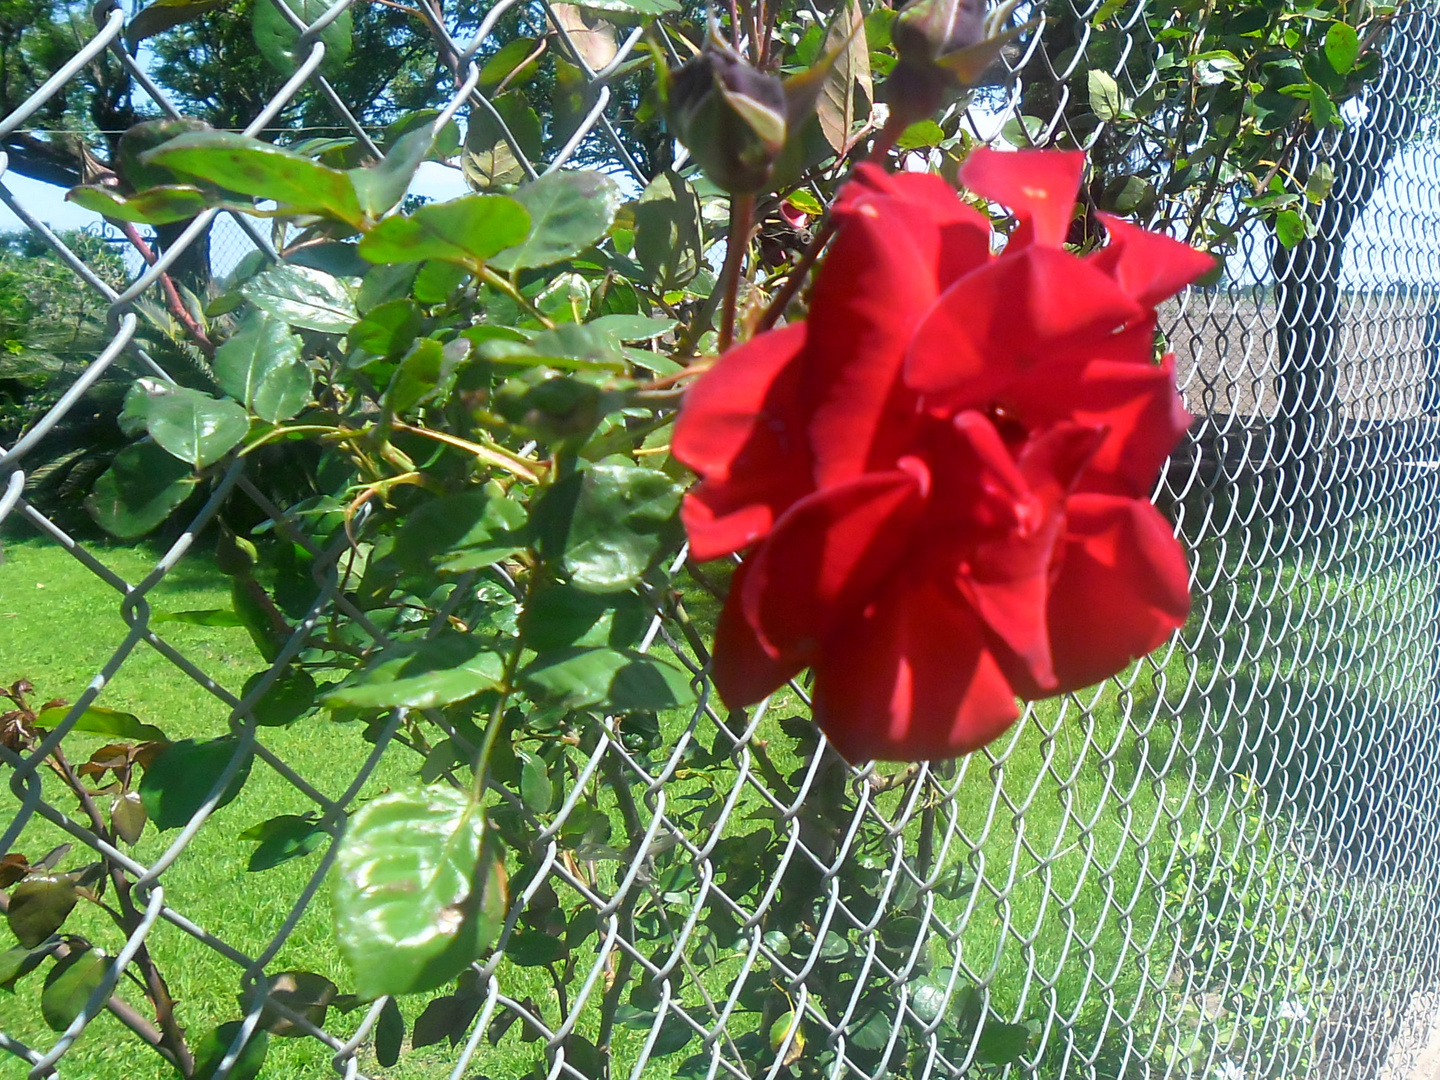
{"x": 1397, "y": 239}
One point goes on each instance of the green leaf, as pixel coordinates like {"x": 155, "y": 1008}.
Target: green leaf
{"x": 1002, "y": 1044}
{"x": 389, "y": 1034}
{"x": 282, "y": 838}
{"x": 436, "y": 280}
{"x": 668, "y": 232}
{"x": 162, "y": 15}
{"x": 17, "y": 962}
{"x": 569, "y": 211}
{"x": 1105, "y": 99}
{"x": 200, "y": 617}
{"x": 279, "y": 42}
{"x": 927, "y": 999}
{"x": 1319, "y": 183}
{"x": 1342, "y": 47}
{"x": 143, "y": 485}
{"x": 533, "y": 948}
{"x": 179, "y": 781}
{"x": 215, "y": 1046}
{"x": 417, "y": 898}
{"x": 155, "y": 206}
{"x": 513, "y": 63}
{"x": 195, "y": 427}
{"x": 444, "y": 143}
{"x": 561, "y": 615}
{"x": 68, "y": 986}
{"x": 263, "y": 170}
{"x": 289, "y": 698}
{"x": 303, "y": 298}
{"x": 489, "y": 159}
{"x": 619, "y": 515}
{"x": 38, "y": 907}
{"x": 128, "y": 817}
{"x": 427, "y": 373}
{"x": 459, "y": 533}
{"x": 102, "y": 721}
{"x": 918, "y": 136}
{"x": 1322, "y": 109}
{"x": 535, "y": 787}
{"x": 422, "y": 675}
{"x": 632, "y": 327}
{"x": 872, "y": 1031}
{"x": 1290, "y": 227}
{"x": 260, "y": 367}
{"x": 388, "y": 329}
{"x": 469, "y": 230}
{"x": 380, "y": 187}
{"x": 621, "y": 681}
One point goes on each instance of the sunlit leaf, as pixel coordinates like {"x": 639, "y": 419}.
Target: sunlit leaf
{"x": 468, "y": 230}
{"x": 304, "y": 298}
{"x": 155, "y": 206}
{"x": 101, "y": 721}
{"x": 213, "y": 1049}
{"x": 569, "y": 211}
{"x": 68, "y": 986}
{"x": 260, "y": 366}
{"x": 252, "y": 167}
{"x": 422, "y": 675}
{"x": 143, "y": 485}
{"x": 620, "y": 681}
{"x": 416, "y": 897}
{"x": 39, "y": 906}
{"x": 195, "y": 427}
{"x": 279, "y": 41}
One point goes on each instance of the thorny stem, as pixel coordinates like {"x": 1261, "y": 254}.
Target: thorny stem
{"x": 619, "y": 978}
{"x": 742, "y": 213}
{"x": 172, "y": 1035}
{"x": 883, "y": 143}
{"x": 172, "y": 295}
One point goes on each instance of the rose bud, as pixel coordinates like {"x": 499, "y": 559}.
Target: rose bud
{"x": 740, "y": 124}
{"x": 730, "y": 116}
{"x": 945, "y": 46}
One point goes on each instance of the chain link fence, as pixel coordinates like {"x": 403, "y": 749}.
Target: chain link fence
{"x": 1220, "y": 865}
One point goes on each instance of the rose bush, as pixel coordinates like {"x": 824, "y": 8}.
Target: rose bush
{"x": 941, "y": 478}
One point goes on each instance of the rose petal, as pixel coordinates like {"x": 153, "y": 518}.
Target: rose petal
{"x": 963, "y": 231}
{"x": 1038, "y": 185}
{"x": 887, "y": 265}
{"x": 1136, "y": 403}
{"x": 990, "y": 326}
{"x": 1122, "y": 590}
{"x": 1007, "y": 579}
{"x": 742, "y": 671}
{"x": 744, "y": 407}
{"x": 741, "y": 428}
{"x": 1149, "y": 266}
{"x": 911, "y": 679}
{"x": 825, "y": 557}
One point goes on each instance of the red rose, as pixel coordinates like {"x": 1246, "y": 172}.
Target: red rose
{"x": 943, "y": 476}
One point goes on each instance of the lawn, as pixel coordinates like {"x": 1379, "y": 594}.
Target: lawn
{"x": 1076, "y": 837}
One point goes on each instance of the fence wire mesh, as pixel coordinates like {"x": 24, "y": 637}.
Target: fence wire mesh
{"x": 1220, "y": 864}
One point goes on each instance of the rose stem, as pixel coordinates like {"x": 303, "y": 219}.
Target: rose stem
{"x": 742, "y": 208}
{"x": 883, "y": 142}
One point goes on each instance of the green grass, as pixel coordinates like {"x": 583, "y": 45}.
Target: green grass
{"x": 1071, "y": 820}
{"x": 60, "y": 625}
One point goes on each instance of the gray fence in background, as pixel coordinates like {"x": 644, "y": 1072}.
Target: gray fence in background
{"x": 1220, "y": 865}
